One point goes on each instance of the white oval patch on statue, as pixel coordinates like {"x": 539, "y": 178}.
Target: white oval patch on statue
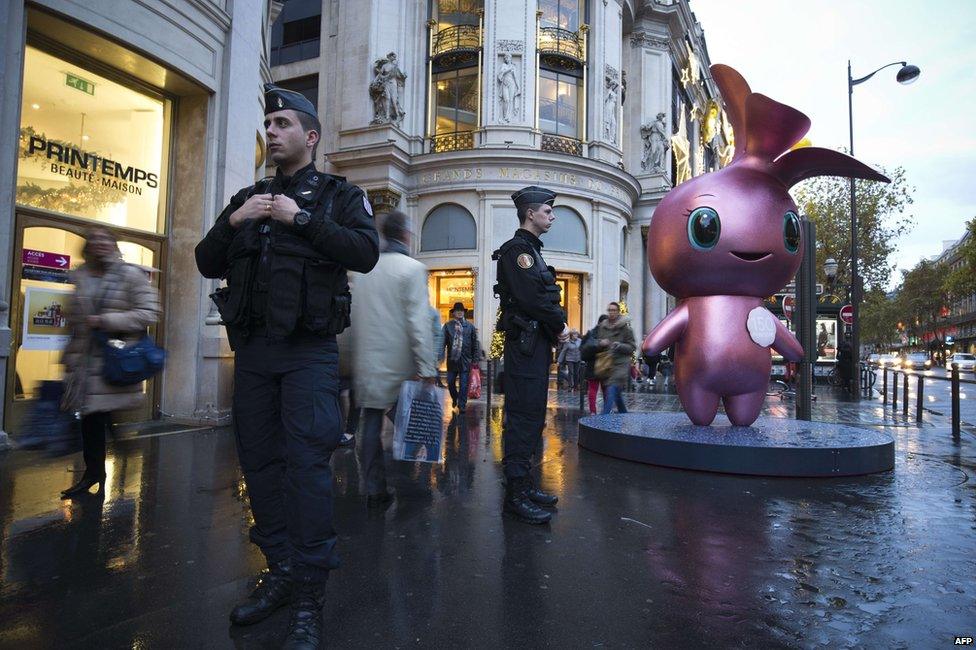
{"x": 762, "y": 327}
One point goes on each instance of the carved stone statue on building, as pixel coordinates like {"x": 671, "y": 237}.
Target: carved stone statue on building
{"x": 386, "y": 90}
{"x": 610, "y": 112}
{"x": 655, "y": 137}
{"x": 508, "y": 88}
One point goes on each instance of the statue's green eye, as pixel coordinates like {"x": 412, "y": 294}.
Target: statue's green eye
{"x": 704, "y": 228}
{"x": 791, "y": 231}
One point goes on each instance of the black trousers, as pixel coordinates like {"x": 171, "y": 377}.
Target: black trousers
{"x": 526, "y": 393}
{"x": 288, "y": 423}
{"x": 94, "y": 428}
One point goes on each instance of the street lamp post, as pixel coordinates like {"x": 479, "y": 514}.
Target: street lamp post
{"x": 906, "y": 74}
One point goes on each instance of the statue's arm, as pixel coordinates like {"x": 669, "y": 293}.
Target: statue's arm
{"x": 667, "y": 331}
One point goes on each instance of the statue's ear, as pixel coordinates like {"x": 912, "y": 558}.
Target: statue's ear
{"x": 734, "y": 89}
{"x": 801, "y": 164}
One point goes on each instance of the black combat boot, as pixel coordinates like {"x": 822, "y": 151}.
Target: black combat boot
{"x": 305, "y": 626}
{"x": 540, "y": 497}
{"x": 519, "y": 505}
{"x": 273, "y": 590}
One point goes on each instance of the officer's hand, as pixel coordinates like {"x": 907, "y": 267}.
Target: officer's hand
{"x": 283, "y": 209}
{"x": 256, "y": 207}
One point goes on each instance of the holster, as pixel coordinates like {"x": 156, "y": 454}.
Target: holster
{"x": 528, "y": 334}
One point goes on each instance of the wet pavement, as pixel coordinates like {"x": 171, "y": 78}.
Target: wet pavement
{"x": 637, "y": 556}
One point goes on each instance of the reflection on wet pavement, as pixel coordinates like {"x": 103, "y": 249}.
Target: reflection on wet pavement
{"x": 636, "y": 555}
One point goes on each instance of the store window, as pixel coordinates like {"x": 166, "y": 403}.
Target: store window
{"x": 568, "y": 232}
{"x": 449, "y": 227}
{"x": 91, "y": 147}
{"x": 449, "y": 287}
{"x": 559, "y": 103}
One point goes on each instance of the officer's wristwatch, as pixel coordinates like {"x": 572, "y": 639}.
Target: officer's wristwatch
{"x": 302, "y": 217}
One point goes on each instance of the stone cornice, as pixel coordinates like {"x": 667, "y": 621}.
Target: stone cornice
{"x": 647, "y": 39}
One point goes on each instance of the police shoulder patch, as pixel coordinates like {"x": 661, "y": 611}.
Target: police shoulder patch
{"x": 525, "y": 261}
{"x": 367, "y": 206}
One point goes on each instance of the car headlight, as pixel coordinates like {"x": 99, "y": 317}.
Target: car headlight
{"x": 928, "y": 364}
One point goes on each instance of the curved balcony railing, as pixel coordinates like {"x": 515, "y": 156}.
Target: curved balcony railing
{"x": 452, "y": 141}
{"x": 562, "y": 144}
{"x": 562, "y": 42}
{"x": 455, "y": 39}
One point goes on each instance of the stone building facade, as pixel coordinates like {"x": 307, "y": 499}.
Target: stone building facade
{"x": 143, "y": 117}
{"x": 443, "y": 108}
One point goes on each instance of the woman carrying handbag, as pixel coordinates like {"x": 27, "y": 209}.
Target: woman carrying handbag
{"x": 115, "y": 299}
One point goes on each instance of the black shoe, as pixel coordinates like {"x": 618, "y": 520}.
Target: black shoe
{"x": 542, "y": 498}
{"x": 520, "y": 506}
{"x": 274, "y": 590}
{"x": 379, "y": 500}
{"x": 83, "y": 486}
{"x": 346, "y": 440}
{"x": 305, "y": 626}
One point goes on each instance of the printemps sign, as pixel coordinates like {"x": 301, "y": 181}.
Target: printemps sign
{"x": 97, "y": 158}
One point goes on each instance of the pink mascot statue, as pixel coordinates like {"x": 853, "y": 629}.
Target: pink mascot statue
{"x": 723, "y": 242}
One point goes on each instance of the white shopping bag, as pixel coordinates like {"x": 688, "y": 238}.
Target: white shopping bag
{"x": 418, "y": 426}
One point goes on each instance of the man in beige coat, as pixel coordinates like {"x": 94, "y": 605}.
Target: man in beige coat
{"x": 392, "y": 343}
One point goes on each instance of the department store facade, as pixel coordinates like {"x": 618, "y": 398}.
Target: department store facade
{"x": 443, "y": 108}
{"x": 142, "y": 117}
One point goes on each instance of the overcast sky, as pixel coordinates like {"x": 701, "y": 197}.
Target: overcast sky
{"x": 796, "y": 52}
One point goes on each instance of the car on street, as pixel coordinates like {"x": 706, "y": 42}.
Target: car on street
{"x": 886, "y": 359}
{"x": 967, "y": 362}
{"x": 916, "y": 361}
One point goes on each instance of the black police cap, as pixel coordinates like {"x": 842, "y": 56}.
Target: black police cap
{"x": 279, "y": 99}
{"x": 533, "y": 194}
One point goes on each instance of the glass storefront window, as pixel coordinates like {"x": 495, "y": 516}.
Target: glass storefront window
{"x": 571, "y": 299}
{"x": 457, "y": 12}
{"x": 559, "y": 104}
{"x": 448, "y": 287}
{"x": 456, "y": 94}
{"x": 564, "y": 14}
{"x": 91, "y": 147}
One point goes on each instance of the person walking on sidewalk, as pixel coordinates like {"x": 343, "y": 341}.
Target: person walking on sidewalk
{"x": 392, "y": 343}
{"x": 615, "y": 340}
{"x": 533, "y": 322}
{"x": 114, "y": 298}
{"x": 589, "y": 347}
{"x": 461, "y": 349}
{"x": 569, "y": 354}
{"x": 284, "y": 246}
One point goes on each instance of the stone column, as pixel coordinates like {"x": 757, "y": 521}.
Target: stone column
{"x": 11, "y": 79}
{"x": 649, "y": 92}
{"x": 510, "y": 29}
{"x": 604, "y": 81}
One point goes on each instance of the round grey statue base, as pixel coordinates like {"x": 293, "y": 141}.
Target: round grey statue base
{"x": 770, "y": 447}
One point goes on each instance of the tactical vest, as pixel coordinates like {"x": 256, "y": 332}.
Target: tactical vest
{"x": 310, "y": 292}
{"x": 502, "y": 292}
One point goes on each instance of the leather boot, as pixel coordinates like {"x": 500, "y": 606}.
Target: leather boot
{"x": 274, "y": 590}
{"x": 519, "y": 505}
{"x": 305, "y": 626}
{"x": 540, "y": 497}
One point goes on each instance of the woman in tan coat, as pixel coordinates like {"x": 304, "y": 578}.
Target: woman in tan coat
{"x": 115, "y": 298}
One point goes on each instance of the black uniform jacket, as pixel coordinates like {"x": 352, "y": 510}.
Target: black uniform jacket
{"x": 529, "y": 283}
{"x": 307, "y": 265}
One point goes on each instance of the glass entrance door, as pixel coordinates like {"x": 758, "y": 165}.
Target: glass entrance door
{"x": 46, "y": 249}
{"x": 571, "y": 299}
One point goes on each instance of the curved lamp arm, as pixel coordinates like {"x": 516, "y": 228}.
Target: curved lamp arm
{"x": 854, "y": 82}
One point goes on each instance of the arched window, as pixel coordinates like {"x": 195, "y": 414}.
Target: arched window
{"x": 568, "y": 232}
{"x": 448, "y": 227}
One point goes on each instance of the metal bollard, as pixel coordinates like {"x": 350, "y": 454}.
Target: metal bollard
{"x": 894, "y": 391}
{"x": 488, "y": 383}
{"x": 956, "y": 428}
{"x": 904, "y": 395}
{"x": 919, "y": 399}
{"x": 884, "y": 385}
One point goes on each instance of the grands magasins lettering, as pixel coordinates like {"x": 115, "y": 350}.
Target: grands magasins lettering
{"x": 83, "y": 165}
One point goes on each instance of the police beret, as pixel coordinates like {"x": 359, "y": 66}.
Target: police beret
{"x": 279, "y": 99}
{"x": 533, "y": 194}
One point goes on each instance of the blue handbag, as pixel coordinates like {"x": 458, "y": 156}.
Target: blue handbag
{"x": 125, "y": 365}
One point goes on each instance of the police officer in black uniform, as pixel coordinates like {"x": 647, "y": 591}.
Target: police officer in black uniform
{"x": 296, "y": 232}
{"x": 533, "y": 322}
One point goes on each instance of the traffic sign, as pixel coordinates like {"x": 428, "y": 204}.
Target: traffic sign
{"x": 45, "y": 259}
{"x": 789, "y": 304}
{"x": 847, "y": 314}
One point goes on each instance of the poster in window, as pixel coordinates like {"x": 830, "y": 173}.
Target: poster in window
{"x": 826, "y": 339}
{"x": 45, "y": 319}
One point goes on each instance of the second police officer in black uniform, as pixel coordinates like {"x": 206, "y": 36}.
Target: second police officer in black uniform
{"x": 533, "y": 322}
{"x": 284, "y": 245}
